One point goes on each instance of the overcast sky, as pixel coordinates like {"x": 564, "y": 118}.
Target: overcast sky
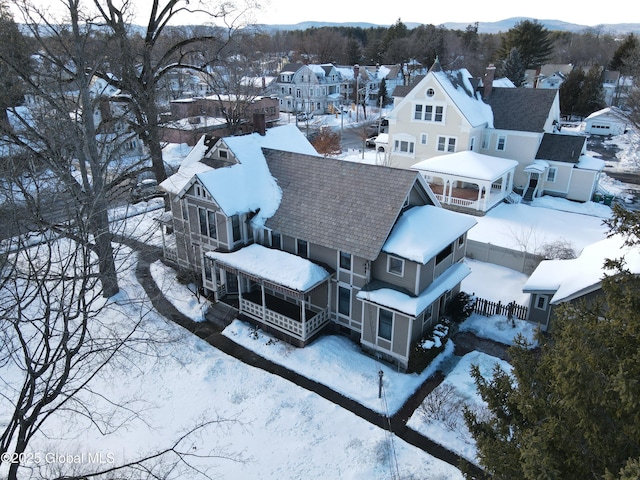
{"x": 410, "y": 11}
{"x": 465, "y": 11}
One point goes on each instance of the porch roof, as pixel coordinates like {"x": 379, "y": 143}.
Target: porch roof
{"x": 468, "y": 164}
{"x": 414, "y": 306}
{"x": 274, "y": 266}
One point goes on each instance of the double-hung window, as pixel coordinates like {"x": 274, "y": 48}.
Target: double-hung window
{"x": 385, "y": 323}
{"x": 207, "y": 221}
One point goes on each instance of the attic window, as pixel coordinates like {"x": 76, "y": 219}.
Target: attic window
{"x": 430, "y": 92}
{"x": 223, "y": 154}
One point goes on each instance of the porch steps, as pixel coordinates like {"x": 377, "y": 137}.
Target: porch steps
{"x": 528, "y": 195}
{"x": 221, "y": 314}
{"x": 513, "y": 198}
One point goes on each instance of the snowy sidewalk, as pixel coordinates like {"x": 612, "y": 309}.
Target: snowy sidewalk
{"x": 212, "y": 335}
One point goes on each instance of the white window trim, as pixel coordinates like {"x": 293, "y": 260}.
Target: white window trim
{"x": 545, "y": 304}
{"x": 555, "y": 174}
{"x": 424, "y": 139}
{"x": 447, "y": 139}
{"x": 389, "y": 258}
{"x": 504, "y": 145}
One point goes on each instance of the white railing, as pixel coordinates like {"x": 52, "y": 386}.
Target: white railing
{"x": 290, "y": 326}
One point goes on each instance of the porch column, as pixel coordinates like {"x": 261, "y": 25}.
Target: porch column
{"x": 478, "y": 206}
{"x": 303, "y": 318}
{"x": 239, "y": 291}
{"x": 264, "y": 301}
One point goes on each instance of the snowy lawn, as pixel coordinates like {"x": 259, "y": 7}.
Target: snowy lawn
{"x": 440, "y": 415}
{"x": 263, "y": 426}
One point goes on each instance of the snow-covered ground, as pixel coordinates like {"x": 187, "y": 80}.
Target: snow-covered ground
{"x": 277, "y": 429}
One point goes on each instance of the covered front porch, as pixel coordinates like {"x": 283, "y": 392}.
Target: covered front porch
{"x": 469, "y": 180}
{"x": 286, "y": 294}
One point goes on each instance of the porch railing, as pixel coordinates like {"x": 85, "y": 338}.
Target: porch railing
{"x": 283, "y": 323}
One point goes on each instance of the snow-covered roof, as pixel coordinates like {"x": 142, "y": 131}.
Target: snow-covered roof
{"x": 458, "y": 87}
{"x": 468, "y": 164}
{"x": 420, "y": 235}
{"x": 569, "y": 279}
{"x": 588, "y": 162}
{"x": 275, "y": 266}
{"x": 609, "y": 112}
{"x": 537, "y": 166}
{"x": 387, "y": 297}
{"x": 246, "y": 186}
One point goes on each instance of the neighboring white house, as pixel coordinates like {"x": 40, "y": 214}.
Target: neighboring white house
{"x": 559, "y": 281}
{"x": 448, "y": 112}
{"x": 608, "y": 121}
{"x": 550, "y": 76}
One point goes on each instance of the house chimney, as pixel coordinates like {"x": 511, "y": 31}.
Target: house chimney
{"x": 488, "y": 80}
{"x": 259, "y": 123}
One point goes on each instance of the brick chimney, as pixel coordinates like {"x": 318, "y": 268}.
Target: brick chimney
{"x": 488, "y": 80}
{"x": 259, "y": 123}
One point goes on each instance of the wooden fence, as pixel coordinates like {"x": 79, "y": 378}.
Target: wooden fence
{"x": 510, "y": 310}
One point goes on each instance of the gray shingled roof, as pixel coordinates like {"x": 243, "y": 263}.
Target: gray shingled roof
{"x": 521, "y": 109}
{"x": 343, "y": 205}
{"x": 561, "y": 148}
{"x": 403, "y": 90}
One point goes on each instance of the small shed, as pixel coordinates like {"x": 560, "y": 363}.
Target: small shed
{"x": 608, "y": 121}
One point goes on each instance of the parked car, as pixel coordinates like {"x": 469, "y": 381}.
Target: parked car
{"x": 304, "y": 116}
{"x": 371, "y": 141}
{"x": 145, "y": 189}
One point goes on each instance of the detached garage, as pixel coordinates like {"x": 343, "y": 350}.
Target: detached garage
{"x": 608, "y": 121}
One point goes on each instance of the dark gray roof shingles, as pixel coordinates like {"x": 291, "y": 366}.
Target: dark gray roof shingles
{"x": 561, "y": 148}
{"x": 342, "y": 205}
{"x": 521, "y": 109}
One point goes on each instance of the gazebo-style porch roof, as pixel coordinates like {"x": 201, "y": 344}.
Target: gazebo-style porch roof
{"x": 469, "y": 179}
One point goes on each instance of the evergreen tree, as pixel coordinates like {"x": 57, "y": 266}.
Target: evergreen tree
{"x": 513, "y": 67}
{"x": 383, "y": 96}
{"x": 570, "y": 91}
{"x": 532, "y": 40}
{"x": 570, "y": 409}
{"x": 624, "y": 52}
{"x": 591, "y": 96}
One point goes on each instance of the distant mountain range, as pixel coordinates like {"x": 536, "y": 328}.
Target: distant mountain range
{"x": 483, "y": 27}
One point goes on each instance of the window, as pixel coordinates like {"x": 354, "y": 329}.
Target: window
{"x": 395, "y": 265}
{"x": 541, "y": 302}
{"x": 417, "y": 115}
{"x": 303, "y": 248}
{"x": 428, "y": 113}
{"x": 344, "y": 301}
{"x": 235, "y": 227}
{"x": 276, "y": 240}
{"x": 403, "y": 146}
{"x": 424, "y": 138}
{"x": 460, "y": 241}
{"x": 472, "y": 143}
{"x": 551, "y": 174}
{"x": 439, "y": 114}
{"x": 385, "y": 323}
{"x": 223, "y": 154}
{"x": 430, "y": 92}
{"x": 427, "y": 315}
{"x": 345, "y": 261}
{"x": 444, "y": 253}
{"x": 501, "y": 143}
{"x": 207, "y": 221}
{"x": 446, "y": 144}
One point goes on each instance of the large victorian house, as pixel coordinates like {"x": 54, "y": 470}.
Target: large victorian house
{"x": 511, "y": 138}
{"x": 298, "y": 243}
